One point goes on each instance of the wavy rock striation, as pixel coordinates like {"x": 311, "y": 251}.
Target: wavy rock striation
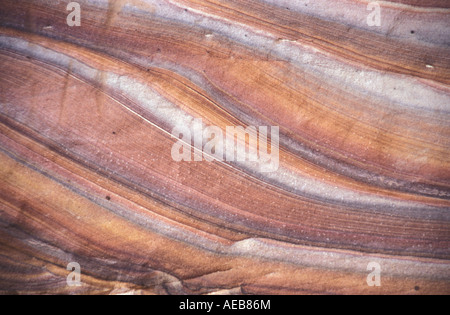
{"x": 87, "y": 176}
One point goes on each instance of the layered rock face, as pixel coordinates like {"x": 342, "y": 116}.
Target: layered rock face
{"x": 358, "y": 92}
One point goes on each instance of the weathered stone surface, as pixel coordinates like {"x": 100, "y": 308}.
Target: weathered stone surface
{"x": 87, "y": 176}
